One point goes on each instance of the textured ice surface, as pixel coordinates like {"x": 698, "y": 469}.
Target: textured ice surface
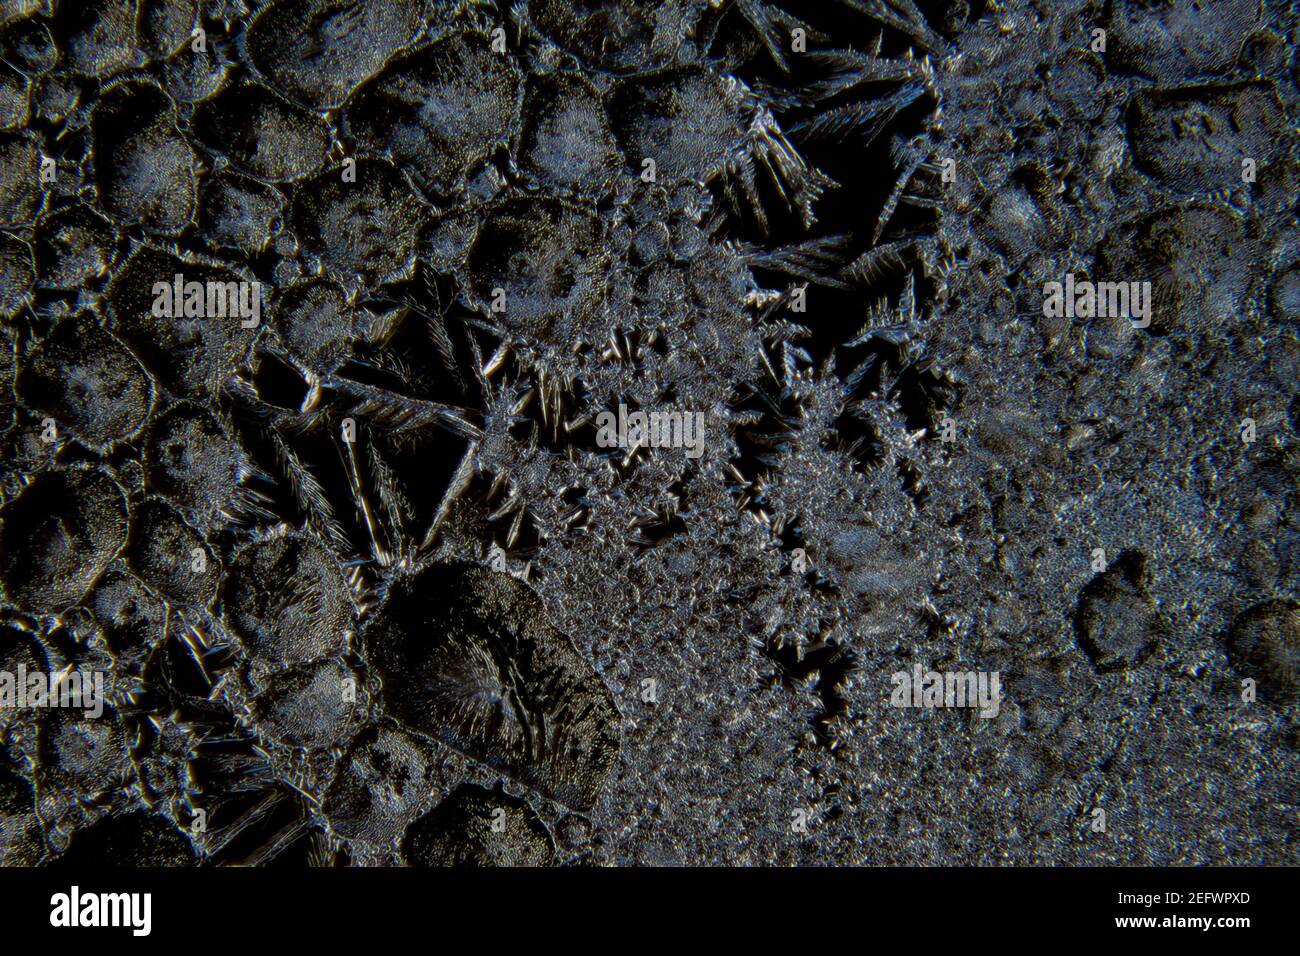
{"x": 367, "y": 582}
